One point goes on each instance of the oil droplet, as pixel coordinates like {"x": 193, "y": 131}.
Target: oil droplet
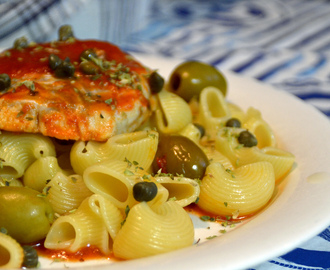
{"x": 318, "y": 177}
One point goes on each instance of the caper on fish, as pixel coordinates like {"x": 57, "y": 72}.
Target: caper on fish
{"x": 156, "y": 82}
{"x": 21, "y": 43}
{"x": 144, "y": 191}
{"x": 5, "y": 82}
{"x": 65, "y": 32}
{"x": 65, "y": 70}
{"x": 88, "y": 54}
{"x": 88, "y": 68}
{"x": 54, "y": 61}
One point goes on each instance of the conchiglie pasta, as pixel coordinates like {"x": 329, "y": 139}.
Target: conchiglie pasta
{"x": 19, "y": 151}
{"x": 153, "y": 230}
{"x": 139, "y": 146}
{"x": 244, "y": 190}
{"x": 110, "y": 214}
{"x": 65, "y": 193}
{"x": 10, "y": 182}
{"x": 281, "y": 160}
{"x": 172, "y": 114}
{"x": 41, "y": 171}
{"x": 191, "y": 132}
{"x": 77, "y": 230}
{"x": 214, "y": 155}
{"x": 110, "y": 180}
{"x": 213, "y": 110}
{"x": 260, "y": 128}
{"x": 182, "y": 190}
{"x": 11, "y": 252}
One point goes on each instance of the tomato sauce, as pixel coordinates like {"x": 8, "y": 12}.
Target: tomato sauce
{"x": 83, "y": 254}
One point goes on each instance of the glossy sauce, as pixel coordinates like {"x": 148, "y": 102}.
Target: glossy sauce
{"x": 83, "y": 254}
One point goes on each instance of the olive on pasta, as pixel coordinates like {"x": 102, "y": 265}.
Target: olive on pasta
{"x": 178, "y": 155}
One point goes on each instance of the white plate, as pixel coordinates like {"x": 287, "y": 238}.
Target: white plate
{"x": 301, "y": 209}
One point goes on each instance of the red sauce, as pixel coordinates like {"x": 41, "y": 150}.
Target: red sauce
{"x": 194, "y": 209}
{"x": 83, "y": 254}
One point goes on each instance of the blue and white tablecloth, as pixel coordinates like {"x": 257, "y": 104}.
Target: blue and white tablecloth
{"x": 285, "y": 43}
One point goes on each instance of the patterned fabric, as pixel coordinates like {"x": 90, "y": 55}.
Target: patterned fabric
{"x": 285, "y": 43}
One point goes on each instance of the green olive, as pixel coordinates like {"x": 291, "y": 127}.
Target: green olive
{"x": 25, "y": 214}
{"x": 65, "y": 70}
{"x": 190, "y": 78}
{"x": 88, "y": 68}
{"x": 144, "y": 191}
{"x": 156, "y": 82}
{"x": 65, "y": 32}
{"x": 88, "y": 54}
{"x": 247, "y": 139}
{"x": 178, "y": 155}
{"x": 54, "y": 61}
{"x": 21, "y": 43}
{"x": 233, "y": 122}
{"x": 5, "y": 82}
{"x": 31, "y": 258}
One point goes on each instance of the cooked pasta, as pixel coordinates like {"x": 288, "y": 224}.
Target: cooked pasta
{"x": 79, "y": 229}
{"x": 152, "y": 230}
{"x": 191, "y": 132}
{"x": 110, "y": 180}
{"x": 182, "y": 190}
{"x": 242, "y": 191}
{"x": 65, "y": 193}
{"x": 259, "y": 127}
{"x": 11, "y": 252}
{"x": 41, "y": 171}
{"x": 110, "y": 214}
{"x": 139, "y": 146}
{"x": 213, "y": 110}
{"x": 227, "y": 144}
{"x": 19, "y": 151}
{"x": 173, "y": 113}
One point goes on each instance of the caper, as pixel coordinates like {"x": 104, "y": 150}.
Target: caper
{"x": 144, "y": 191}
{"x": 88, "y": 68}
{"x": 5, "y": 82}
{"x": 65, "y": 70}
{"x": 200, "y": 128}
{"x": 88, "y": 54}
{"x": 233, "y": 122}
{"x": 21, "y": 43}
{"x": 30, "y": 257}
{"x": 190, "y": 78}
{"x": 65, "y": 32}
{"x": 25, "y": 214}
{"x": 179, "y": 155}
{"x": 54, "y": 61}
{"x": 247, "y": 139}
{"x": 156, "y": 82}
